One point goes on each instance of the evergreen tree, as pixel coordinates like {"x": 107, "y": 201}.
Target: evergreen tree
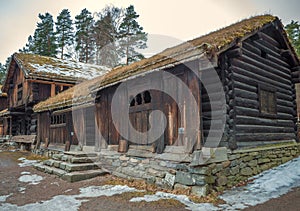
{"x": 293, "y": 30}
{"x": 29, "y": 47}
{"x": 105, "y": 35}
{"x": 64, "y": 32}
{"x": 131, "y": 36}
{"x": 84, "y": 36}
{"x": 3, "y": 69}
{"x": 2, "y": 73}
{"x": 44, "y": 38}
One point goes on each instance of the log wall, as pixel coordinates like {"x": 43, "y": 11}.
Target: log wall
{"x": 261, "y": 64}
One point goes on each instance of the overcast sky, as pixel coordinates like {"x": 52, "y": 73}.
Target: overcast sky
{"x": 175, "y": 20}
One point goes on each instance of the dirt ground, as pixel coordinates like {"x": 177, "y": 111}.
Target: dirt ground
{"x": 51, "y": 186}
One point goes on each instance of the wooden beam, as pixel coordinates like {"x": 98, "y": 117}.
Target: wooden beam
{"x": 49, "y": 82}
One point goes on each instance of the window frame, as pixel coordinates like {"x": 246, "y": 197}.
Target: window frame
{"x": 269, "y": 89}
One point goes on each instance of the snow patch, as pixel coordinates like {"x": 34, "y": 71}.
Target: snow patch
{"x": 26, "y": 162}
{"x": 267, "y": 185}
{"x": 71, "y": 69}
{"x": 182, "y": 198}
{"x": 25, "y": 172}
{"x": 71, "y": 202}
{"x": 3, "y": 198}
{"x": 31, "y": 179}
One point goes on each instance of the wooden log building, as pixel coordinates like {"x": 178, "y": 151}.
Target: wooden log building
{"x": 255, "y": 64}
{"x": 32, "y": 78}
{"x": 3, "y": 107}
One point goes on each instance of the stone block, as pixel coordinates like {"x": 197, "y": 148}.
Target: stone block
{"x": 225, "y": 164}
{"x": 201, "y": 170}
{"x": 184, "y": 178}
{"x": 252, "y": 163}
{"x": 218, "y": 168}
{"x": 222, "y": 181}
{"x": 200, "y": 191}
{"x": 246, "y": 171}
{"x": 210, "y": 179}
{"x": 235, "y": 170}
{"x": 169, "y": 179}
{"x": 263, "y": 160}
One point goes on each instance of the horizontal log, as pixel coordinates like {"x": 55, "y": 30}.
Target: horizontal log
{"x": 249, "y": 137}
{"x": 245, "y": 94}
{"x": 237, "y": 52}
{"x": 281, "y": 93}
{"x": 263, "y": 129}
{"x": 246, "y": 102}
{"x": 261, "y": 74}
{"x": 268, "y": 39}
{"x": 273, "y": 67}
{"x": 252, "y": 78}
{"x": 287, "y": 110}
{"x": 247, "y": 87}
{"x": 286, "y": 103}
{"x": 248, "y": 120}
{"x": 256, "y": 49}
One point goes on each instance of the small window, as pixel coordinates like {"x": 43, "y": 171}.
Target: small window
{"x": 147, "y": 97}
{"x": 58, "y": 119}
{"x": 263, "y": 54}
{"x": 132, "y": 102}
{"x": 139, "y": 99}
{"x": 20, "y": 91}
{"x": 267, "y": 101}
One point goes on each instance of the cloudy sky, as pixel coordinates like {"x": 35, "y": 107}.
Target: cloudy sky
{"x": 173, "y": 20}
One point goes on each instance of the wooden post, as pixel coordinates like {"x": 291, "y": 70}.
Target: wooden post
{"x": 52, "y": 89}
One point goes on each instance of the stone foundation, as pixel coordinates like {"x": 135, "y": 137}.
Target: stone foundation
{"x": 202, "y": 171}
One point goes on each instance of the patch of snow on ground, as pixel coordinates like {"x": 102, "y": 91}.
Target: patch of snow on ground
{"x": 71, "y": 202}
{"x": 31, "y": 179}
{"x": 267, "y": 185}
{"x": 26, "y": 162}
{"x": 25, "y": 172}
{"x": 3, "y": 198}
{"x": 182, "y": 198}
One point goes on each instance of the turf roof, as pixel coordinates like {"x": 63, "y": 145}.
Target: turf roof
{"x": 211, "y": 43}
{"x": 37, "y": 66}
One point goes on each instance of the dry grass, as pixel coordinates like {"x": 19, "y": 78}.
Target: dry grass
{"x": 152, "y": 189}
{"x": 33, "y": 156}
{"x": 210, "y": 43}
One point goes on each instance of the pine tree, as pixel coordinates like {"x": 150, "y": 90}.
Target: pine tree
{"x": 293, "y": 30}
{"x": 105, "y": 35}
{"x": 44, "y": 38}
{"x": 64, "y": 33}
{"x": 84, "y": 36}
{"x": 29, "y": 47}
{"x": 131, "y": 36}
{"x": 2, "y": 72}
{"x": 3, "y": 69}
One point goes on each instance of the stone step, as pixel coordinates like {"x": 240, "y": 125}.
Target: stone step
{"x": 49, "y": 169}
{"x": 84, "y": 159}
{"x": 71, "y": 176}
{"x": 83, "y": 175}
{"x": 69, "y": 167}
{"x": 81, "y": 154}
